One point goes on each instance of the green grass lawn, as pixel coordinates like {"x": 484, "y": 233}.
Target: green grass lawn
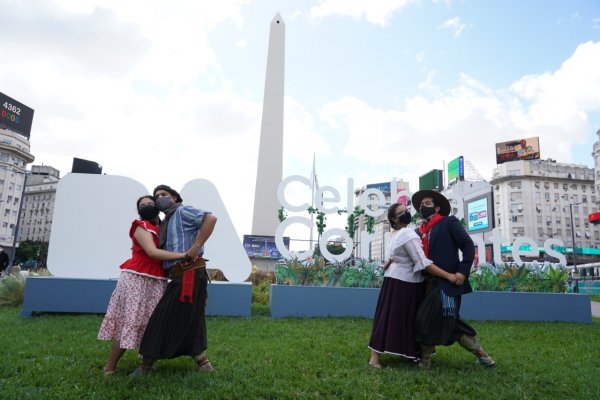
{"x": 58, "y": 357}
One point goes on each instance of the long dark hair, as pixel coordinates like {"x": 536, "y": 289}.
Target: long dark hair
{"x": 155, "y": 221}
{"x": 137, "y": 204}
{"x": 405, "y": 218}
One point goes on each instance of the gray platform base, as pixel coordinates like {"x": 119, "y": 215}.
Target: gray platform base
{"x": 313, "y": 301}
{"x": 72, "y": 295}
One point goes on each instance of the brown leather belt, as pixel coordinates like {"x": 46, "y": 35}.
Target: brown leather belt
{"x": 180, "y": 267}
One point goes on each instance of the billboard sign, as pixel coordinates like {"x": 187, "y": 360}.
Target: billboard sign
{"x": 384, "y": 187}
{"x": 478, "y": 214}
{"x": 520, "y": 149}
{"x": 433, "y": 180}
{"x": 15, "y": 115}
{"x": 263, "y": 246}
{"x": 456, "y": 170}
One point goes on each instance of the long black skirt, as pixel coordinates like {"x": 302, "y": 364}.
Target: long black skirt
{"x": 175, "y": 328}
{"x": 434, "y": 326}
{"x": 394, "y": 322}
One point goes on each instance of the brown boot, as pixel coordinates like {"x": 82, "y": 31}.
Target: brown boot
{"x": 471, "y": 344}
{"x": 426, "y": 354}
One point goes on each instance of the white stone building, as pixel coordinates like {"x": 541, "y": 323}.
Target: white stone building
{"x": 38, "y": 206}
{"x": 596, "y": 155}
{"x": 14, "y": 157}
{"x": 534, "y": 198}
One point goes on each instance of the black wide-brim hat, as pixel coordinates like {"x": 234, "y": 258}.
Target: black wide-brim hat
{"x": 439, "y": 198}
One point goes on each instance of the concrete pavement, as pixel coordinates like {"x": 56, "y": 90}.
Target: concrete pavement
{"x": 595, "y": 309}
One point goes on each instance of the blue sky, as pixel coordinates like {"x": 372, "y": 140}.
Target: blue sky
{"x": 376, "y": 89}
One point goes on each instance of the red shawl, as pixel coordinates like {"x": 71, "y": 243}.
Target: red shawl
{"x": 425, "y": 228}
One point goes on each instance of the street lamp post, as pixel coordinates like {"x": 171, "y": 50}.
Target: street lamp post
{"x": 575, "y": 288}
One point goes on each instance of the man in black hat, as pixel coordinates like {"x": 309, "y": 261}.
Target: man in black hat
{"x": 438, "y": 321}
{"x": 177, "y": 326}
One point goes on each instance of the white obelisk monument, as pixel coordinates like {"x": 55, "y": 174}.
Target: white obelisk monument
{"x": 270, "y": 152}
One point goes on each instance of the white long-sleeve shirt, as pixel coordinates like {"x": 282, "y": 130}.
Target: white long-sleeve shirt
{"x": 406, "y": 251}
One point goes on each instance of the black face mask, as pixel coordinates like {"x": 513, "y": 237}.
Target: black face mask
{"x": 426, "y": 212}
{"x": 148, "y": 213}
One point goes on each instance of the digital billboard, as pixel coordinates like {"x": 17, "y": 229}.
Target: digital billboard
{"x": 433, "y": 180}
{"x": 479, "y": 213}
{"x": 456, "y": 170}
{"x": 384, "y": 187}
{"x": 520, "y": 149}
{"x": 15, "y": 115}
{"x": 263, "y": 246}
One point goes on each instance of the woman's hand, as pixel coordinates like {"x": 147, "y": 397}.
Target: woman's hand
{"x": 460, "y": 279}
{"x": 452, "y": 278}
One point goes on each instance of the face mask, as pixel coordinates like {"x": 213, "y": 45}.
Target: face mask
{"x": 149, "y": 212}
{"x": 426, "y": 212}
{"x": 164, "y": 203}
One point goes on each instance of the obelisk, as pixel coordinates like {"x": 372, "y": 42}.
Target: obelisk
{"x": 270, "y": 151}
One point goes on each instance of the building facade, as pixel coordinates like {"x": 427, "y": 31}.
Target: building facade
{"x": 38, "y": 203}
{"x": 381, "y": 226}
{"x": 540, "y": 198}
{"x": 596, "y": 155}
{"x": 14, "y": 157}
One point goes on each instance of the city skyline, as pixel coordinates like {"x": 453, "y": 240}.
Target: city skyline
{"x": 378, "y": 90}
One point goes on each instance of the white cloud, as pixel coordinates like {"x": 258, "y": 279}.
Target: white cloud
{"x": 469, "y": 119}
{"x": 455, "y": 25}
{"x": 377, "y": 12}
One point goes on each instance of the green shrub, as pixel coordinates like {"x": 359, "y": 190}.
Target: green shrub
{"x": 12, "y": 290}
{"x": 526, "y": 278}
{"x": 316, "y": 272}
{"x": 260, "y": 293}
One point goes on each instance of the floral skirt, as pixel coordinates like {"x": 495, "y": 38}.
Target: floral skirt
{"x": 130, "y": 308}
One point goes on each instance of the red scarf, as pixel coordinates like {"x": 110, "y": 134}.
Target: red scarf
{"x": 425, "y": 228}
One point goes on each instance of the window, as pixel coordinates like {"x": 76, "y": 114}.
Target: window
{"x": 547, "y": 196}
{"x": 555, "y": 197}
{"x": 516, "y": 196}
{"x": 555, "y": 185}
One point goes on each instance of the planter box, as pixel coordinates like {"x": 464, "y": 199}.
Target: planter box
{"x": 73, "y": 295}
{"x": 313, "y": 301}
{"x": 522, "y": 306}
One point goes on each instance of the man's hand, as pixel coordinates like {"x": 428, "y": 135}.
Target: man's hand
{"x": 460, "y": 279}
{"x": 193, "y": 253}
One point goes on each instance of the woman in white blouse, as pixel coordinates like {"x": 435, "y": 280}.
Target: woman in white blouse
{"x": 402, "y": 291}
